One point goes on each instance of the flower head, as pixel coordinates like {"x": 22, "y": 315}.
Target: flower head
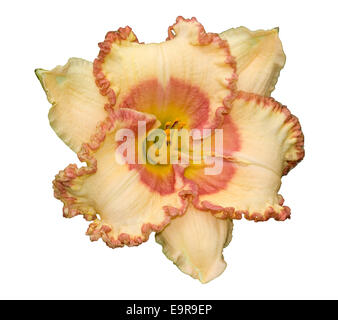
{"x": 172, "y": 141}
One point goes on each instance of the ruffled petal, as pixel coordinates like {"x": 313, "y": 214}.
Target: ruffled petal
{"x": 259, "y": 57}
{"x": 195, "y": 241}
{"x": 128, "y": 208}
{"x": 77, "y": 105}
{"x": 270, "y": 144}
{"x": 187, "y": 77}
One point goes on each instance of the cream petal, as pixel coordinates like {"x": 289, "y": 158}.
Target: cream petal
{"x": 259, "y": 57}
{"x": 195, "y": 241}
{"x": 77, "y": 105}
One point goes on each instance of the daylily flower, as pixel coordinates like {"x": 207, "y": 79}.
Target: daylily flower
{"x": 188, "y": 82}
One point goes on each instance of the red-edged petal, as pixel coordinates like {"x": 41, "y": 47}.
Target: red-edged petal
{"x": 128, "y": 208}
{"x": 191, "y": 72}
{"x": 270, "y": 144}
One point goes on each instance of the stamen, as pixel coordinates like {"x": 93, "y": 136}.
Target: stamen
{"x": 176, "y": 124}
{"x": 167, "y": 125}
{"x": 181, "y": 125}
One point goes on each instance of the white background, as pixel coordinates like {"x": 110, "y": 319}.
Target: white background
{"x": 43, "y": 255}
